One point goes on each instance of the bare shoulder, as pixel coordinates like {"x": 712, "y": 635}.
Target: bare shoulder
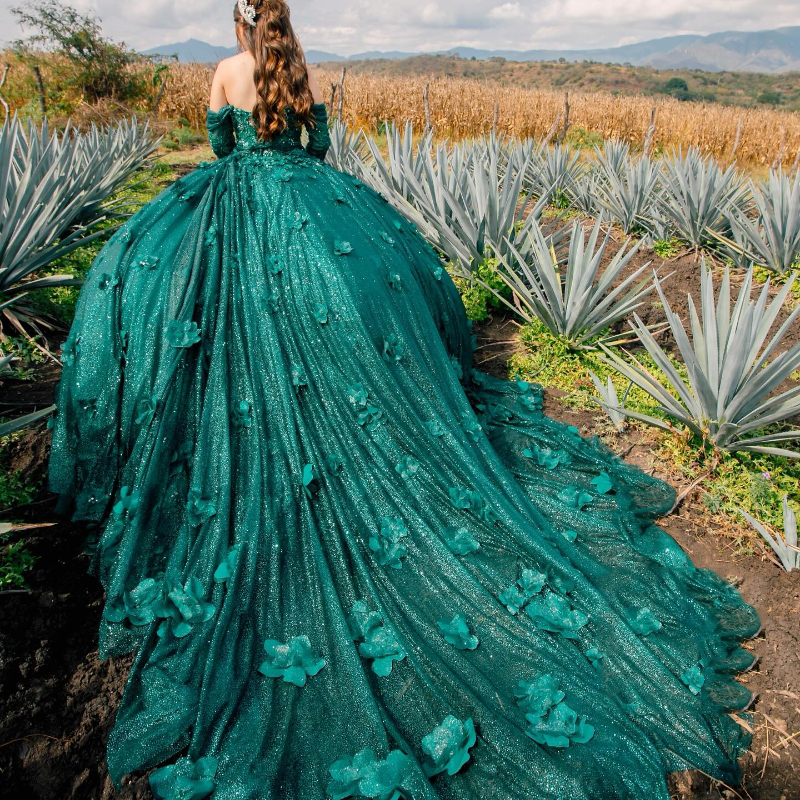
{"x": 233, "y": 64}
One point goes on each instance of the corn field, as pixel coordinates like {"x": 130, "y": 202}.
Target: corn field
{"x": 462, "y": 108}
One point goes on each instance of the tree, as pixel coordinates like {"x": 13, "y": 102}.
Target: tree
{"x": 676, "y": 85}
{"x": 770, "y": 98}
{"x": 678, "y": 88}
{"x": 100, "y": 68}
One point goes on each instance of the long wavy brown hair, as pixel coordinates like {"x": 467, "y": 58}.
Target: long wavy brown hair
{"x": 281, "y": 74}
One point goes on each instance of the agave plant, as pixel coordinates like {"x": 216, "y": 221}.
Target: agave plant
{"x": 626, "y": 192}
{"x": 584, "y": 303}
{"x": 505, "y": 149}
{"x": 613, "y": 156}
{"x": 553, "y": 171}
{"x": 785, "y": 546}
{"x": 697, "y": 195}
{"x": 773, "y": 240}
{"x": 52, "y": 193}
{"x": 608, "y": 399}
{"x": 18, "y": 424}
{"x": 731, "y": 374}
{"x": 584, "y": 192}
{"x": 404, "y": 159}
{"x": 461, "y": 198}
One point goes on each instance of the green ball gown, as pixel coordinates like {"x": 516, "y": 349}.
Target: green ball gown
{"x": 349, "y": 563}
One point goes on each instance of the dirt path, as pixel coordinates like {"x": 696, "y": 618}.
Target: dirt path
{"x": 57, "y": 702}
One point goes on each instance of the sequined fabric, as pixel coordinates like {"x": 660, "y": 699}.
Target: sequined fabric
{"x": 350, "y": 563}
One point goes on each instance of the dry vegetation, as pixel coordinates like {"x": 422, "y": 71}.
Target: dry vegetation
{"x": 465, "y": 107}
{"x": 462, "y": 107}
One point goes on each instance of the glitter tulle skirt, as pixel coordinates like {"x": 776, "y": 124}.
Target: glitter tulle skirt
{"x": 349, "y": 563}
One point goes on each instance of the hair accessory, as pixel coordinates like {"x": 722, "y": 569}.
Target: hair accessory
{"x": 248, "y": 12}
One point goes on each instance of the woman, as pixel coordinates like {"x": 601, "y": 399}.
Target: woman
{"x": 350, "y": 564}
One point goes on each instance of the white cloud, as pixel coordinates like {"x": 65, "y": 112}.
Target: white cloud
{"x": 350, "y": 26}
{"x": 507, "y": 11}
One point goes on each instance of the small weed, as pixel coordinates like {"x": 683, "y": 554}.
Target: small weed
{"x": 667, "y": 248}
{"x": 183, "y": 137}
{"x": 477, "y": 299}
{"x": 13, "y": 491}
{"x": 15, "y": 561}
{"x": 26, "y": 356}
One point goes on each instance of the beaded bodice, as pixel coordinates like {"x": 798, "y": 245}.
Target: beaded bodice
{"x": 247, "y": 136}
{"x": 231, "y": 128}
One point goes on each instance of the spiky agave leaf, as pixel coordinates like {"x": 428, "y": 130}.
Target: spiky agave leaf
{"x": 608, "y": 399}
{"x": 773, "y": 240}
{"x": 731, "y": 368}
{"x": 696, "y": 194}
{"x": 52, "y": 190}
{"x": 348, "y": 150}
{"x": 785, "y": 547}
{"x": 552, "y": 171}
{"x": 18, "y": 424}
{"x": 583, "y": 303}
{"x": 626, "y": 193}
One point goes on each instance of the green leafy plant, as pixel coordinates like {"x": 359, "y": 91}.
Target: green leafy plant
{"x": 667, "y": 248}
{"x": 476, "y": 298}
{"x": 731, "y": 374}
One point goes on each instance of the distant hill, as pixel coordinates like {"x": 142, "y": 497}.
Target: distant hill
{"x": 773, "y": 51}
{"x": 746, "y": 89}
{"x": 204, "y": 53}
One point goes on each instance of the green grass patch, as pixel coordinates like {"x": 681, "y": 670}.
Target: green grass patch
{"x": 183, "y": 136}
{"x": 548, "y": 359}
{"x": 761, "y": 275}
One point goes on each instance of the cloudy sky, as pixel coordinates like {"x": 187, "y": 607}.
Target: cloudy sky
{"x": 351, "y": 26}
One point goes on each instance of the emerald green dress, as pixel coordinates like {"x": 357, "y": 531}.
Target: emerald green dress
{"x": 349, "y": 563}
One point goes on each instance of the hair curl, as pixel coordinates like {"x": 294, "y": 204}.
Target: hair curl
{"x": 281, "y": 74}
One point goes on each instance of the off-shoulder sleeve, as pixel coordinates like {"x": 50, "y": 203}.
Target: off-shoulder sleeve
{"x": 220, "y": 131}
{"x": 319, "y": 139}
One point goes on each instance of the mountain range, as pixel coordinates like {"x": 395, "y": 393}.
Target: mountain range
{"x": 770, "y": 51}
